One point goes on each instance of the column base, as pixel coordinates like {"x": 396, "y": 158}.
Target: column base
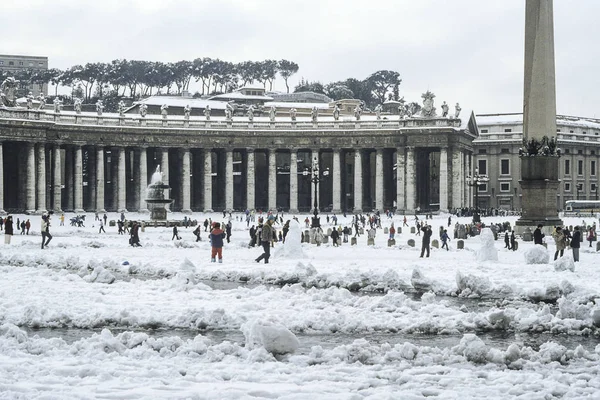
{"x": 548, "y": 224}
{"x": 30, "y": 212}
{"x": 186, "y": 211}
{"x": 208, "y": 210}
{"x": 79, "y": 210}
{"x": 336, "y": 211}
{"x": 40, "y": 211}
{"x": 293, "y": 211}
{"x": 122, "y": 210}
{"x": 102, "y": 210}
{"x": 2, "y": 212}
{"x": 142, "y": 211}
{"x": 57, "y": 210}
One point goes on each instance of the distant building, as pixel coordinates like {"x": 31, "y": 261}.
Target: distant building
{"x": 300, "y": 97}
{"x": 244, "y": 96}
{"x": 14, "y": 63}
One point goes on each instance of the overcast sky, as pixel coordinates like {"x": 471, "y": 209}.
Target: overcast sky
{"x": 467, "y": 51}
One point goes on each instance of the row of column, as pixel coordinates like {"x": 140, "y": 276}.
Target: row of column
{"x": 453, "y": 189}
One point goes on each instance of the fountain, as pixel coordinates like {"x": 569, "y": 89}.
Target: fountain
{"x": 158, "y": 196}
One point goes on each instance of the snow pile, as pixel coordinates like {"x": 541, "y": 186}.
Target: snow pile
{"x": 537, "y": 254}
{"x": 420, "y": 282}
{"x": 270, "y": 335}
{"x": 565, "y": 263}
{"x": 292, "y": 248}
{"x": 100, "y": 275}
{"x": 487, "y": 251}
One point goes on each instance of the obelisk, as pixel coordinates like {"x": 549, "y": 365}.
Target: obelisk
{"x": 539, "y": 168}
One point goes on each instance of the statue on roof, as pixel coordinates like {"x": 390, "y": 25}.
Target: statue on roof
{"x": 457, "y": 110}
{"x": 314, "y": 114}
{"x": 207, "y": 112}
{"x": 77, "y": 105}
{"x": 401, "y": 110}
{"x": 143, "y": 110}
{"x": 187, "y": 111}
{"x": 358, "y": 111}
{"x": 228, "y": 112}
{"x": 42, "y": 99}
{"x": 250, "y": 113}
{"x": 445, "y": 109}
{"x": 272, "y": 113}
{"x": 336, "y": 112}
{"x": 164, "y": 111}
{"x": 378, "y": 111}
{"x": 57, "y": 105}
{"x": 99, "y": 107}
{"x": 29, "y": 101}
{"x": 428, "y": 110}
{"x": 121, "y": 108}
{"x": 293, "y": 113}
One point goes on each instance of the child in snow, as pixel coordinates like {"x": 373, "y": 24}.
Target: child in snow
{"x": 216, "y": 239}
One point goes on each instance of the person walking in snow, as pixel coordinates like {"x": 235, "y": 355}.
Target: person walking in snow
{"x": 426, "y": 240}
{"x": 175, "y": 233}
{"x": 576, "y": 243}
{"x": 506, "y": 241}
{"x": 216, "y": 240}
{"x": 266, "y": 238}
{"x": 27, "y": 226}
{"x": 8, "y": 229}
{"x": 46, "y": 236}
{"x": 445, "y": 238}
{"x": 559, "y": 238}
{"x": 101, "y": 226}
{"x": 228, "y": 231}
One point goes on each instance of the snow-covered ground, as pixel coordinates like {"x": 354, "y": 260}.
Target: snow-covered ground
{"x": 149, "y": 324}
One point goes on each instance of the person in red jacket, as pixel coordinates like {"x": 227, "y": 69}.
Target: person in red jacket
{"x": 216, "y": 240}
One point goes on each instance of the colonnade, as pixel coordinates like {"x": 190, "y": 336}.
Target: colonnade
{"x": 78, "y": 177}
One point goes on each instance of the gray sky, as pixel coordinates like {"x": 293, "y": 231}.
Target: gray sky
{"x": 467, "y": 51}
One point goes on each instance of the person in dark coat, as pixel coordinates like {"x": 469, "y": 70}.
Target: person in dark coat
{"x": 513, "y": 241}
{"x": 506, "y": 241}
{"x": 335, "y": 236}
{"x": 46, "y": 236}
{"x": 538, "y": 235}
{"x": 426, "y": 239}
{"x": 134, "y": 240}
{"x": 206, "y": 225}
{"x": 266, "y": 238}
{"x": 175, "y": 233}
{"x": 576, "y": 243}
{"x": 228, "y": 231}
{"x": 197, "y": 233}
{"x": 216, "y": 240}
{"x": 252, "y": 236}
{"x": 8, "y": 229}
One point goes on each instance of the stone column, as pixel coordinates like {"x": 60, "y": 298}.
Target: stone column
{"x": 337, "y": 182}
{"x": 229, "y": 179}
{"x": 358, "y": 181}
{"x": 207, "y": 180}
{"x": 457, "y": 183}
{"x": 379, "y": 179}
{"x": 121, "y": 182}
{"x": 273, "y": 179}
{"x": 186, "y": 182}
{"x": 250, "y": 180}
{"x": 41, "y": 179}
{"x": 400, "y": 179}
{"x": 466, "y": 169}
{"x": 143, "y": 180}
{"x": 164, "y": 167}
{"x": 444, "y": 179}
{"x": 100, "y": 180}
{"x": 78, "y": 181}
{"x": 294, "y": 181}
{"x": 411, "y": 179}
{"x": 69, "y": 179}
{"x": 30, "y": 209}
{"x": 2, "y": 212}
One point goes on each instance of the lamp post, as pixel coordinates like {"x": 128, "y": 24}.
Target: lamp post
{"x": 315, "y": 179}
{"x": 475, "y": 181}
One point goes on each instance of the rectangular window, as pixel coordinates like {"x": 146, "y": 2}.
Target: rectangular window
{"x": 584, "y": 132}
{"x": 40, "y": 64}
{"x": 482, "y": 151}
{"x": 505, "y": 187}
{"x": 567, "y": 151}
{"x": 579, "y": 167}
{"x": 482, "y": 187}
{"x": 593, "y": 168}
{"x": 557, "y": 129}
{"x": 484, "y": 131}
{"x": 567, "y": 167}
{"x": 579, "y": 151}
{"x": 11, "y": 63}
{"x": 567, "y": 186}
{"x": 505, "y": 151}
{"x": 508, "y": 130}
{"x": 482, "y": 166}
{"x": 20, "y": 62}
{"x": 504, "y": 167}
{"x": 593, "y": 187}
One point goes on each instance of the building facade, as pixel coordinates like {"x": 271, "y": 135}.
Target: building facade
{"x": 74, "y": 162}
{"x": 497, "y": 155}
{"x": 14, "y": 63}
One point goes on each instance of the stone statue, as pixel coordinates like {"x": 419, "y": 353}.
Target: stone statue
{"x": 272, "y": 113}
{"x": 314, "y": 114}
{"x": 29, "y": 101}
{"x": 187, "y": 110}
{"x": 143, "y": 110}
{"x": 444, "y": 109}
{"x": 99, "y": 107}
{"x": 401, "y": 110}
{"x": 428, "y": 110}
{"x": 409, "y": 110}
{"x": 336, "y": 112}
{"x": 457, "y": 110}
{"x": 378, "y": 110}
{"x": 293, "y": 113}
{"x": 121, "y": 108}
{"x": 77, "y": 105}
{"x": 57, "y": 105}
{"x": 228, "y": 112}
{"x": 251, "y": 113}
{"x": 207, "y": 112}
{"x": 358, "y": 111}
{"x": 164, "y": 111}
{"x": 42, "y": 99}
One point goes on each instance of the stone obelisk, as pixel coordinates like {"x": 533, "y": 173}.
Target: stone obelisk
{"x": 539, "y": 168}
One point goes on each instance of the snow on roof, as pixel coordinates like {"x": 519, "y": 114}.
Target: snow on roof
{"x": 286, "y": 104}
{"x": 517, "y": 119}
{"x": 240, "y": 96}
{"x": 178, "y": 101}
